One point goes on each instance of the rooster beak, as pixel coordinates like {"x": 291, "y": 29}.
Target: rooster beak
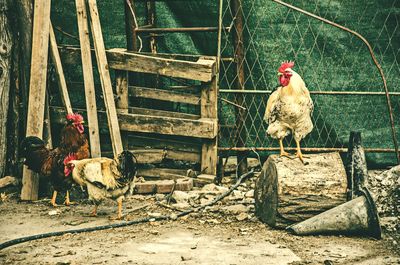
{"x": 279, "y": 73}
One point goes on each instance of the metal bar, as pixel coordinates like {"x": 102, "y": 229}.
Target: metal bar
{"x": 378, "y": 66}
{"x": 173, "y": 30}
{"x": 355, "y": 93}
{"x": 219, "y": 36}
{"x": 309, "y": 149}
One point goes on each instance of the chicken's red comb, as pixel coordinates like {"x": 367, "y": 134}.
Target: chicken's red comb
{"x": 70, "y": 157}
{"x": 285, "y": 65}
{"x": 76, "y": 117}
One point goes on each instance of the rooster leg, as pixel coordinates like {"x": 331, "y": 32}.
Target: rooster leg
{"x": 283, "y": 152}
{"x": 53, "y": 199}
{"x": 119, "y": 216}
{"x": 94, "y": 212}
{"x": 67, "y": 200}
{"x": 299, "y": 154}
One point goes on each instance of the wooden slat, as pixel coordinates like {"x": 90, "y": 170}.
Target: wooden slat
{"x": 121, "y": 83}
{"x": 87, "y": 67}
{"x": 162, "y": 173}
{"x": 168, "y": 142}
{"x": 154, "y": 112}
{"x": 165, "y": 95}
{"x": 62, "y": 84}
{"x": 102, "y": 66}
{"x": 37, "y": 89}
{"x": 209, "y": 155}
{"x": 145, "y": 156}
{"x": 123, "y": 60}
{"x": 202, "y": 128}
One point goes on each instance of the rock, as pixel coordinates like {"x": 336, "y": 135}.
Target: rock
{"x": 242, "y": 217}
{"x": 154, "y": 215}
{"x": 54, "y": 212}
{"x": 159, "y": 197}
{"x": 249, "y": 194}
{"x": 182, "y": 205}
{"x": 235, "y": 209}
{"x": 180, "y": 196}
{"x": 209, "y": 187}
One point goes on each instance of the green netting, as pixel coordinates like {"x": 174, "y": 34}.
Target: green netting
{"x": 328, "y": 59}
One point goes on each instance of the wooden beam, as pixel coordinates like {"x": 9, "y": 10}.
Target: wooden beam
{"x": 105, "y": 79}
{"x": 123, "y": 60}
{"x": 162, "y": 173}
{"x": 121, "y": 87}
{"x": 209, "y": 155}
{"x": 202, "y": 128}
{"x": 154, "y": 112}
{"x": 62, "y": 84}
{"x": 166, "y": 95}
{"x": 87, "y": 67}
{"x": 153, "y": 156}
{"x": 37, "y": 89}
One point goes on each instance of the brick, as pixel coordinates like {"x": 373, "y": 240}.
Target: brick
{"x": 163, "y": 186}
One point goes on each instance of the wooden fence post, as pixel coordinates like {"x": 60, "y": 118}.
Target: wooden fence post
{"x": 37, "y": 88}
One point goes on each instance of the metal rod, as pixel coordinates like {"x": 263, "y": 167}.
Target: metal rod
{"x": 378, "y": 66}
{"x": 219, "y": 36}
{"x": 309, "y": 149}
{"x": 355, "y": 93}
{"x": 233, "y": 103}
{"x": 172, "y": 30}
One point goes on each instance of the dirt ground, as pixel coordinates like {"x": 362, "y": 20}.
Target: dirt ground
{"x": 208, "y": 237}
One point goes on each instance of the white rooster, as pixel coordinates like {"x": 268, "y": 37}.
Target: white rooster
{"x": 289, "y": 109}
{"x": 105, "y": 177}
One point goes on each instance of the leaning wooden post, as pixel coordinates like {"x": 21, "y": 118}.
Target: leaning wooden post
{"x": 37, "y": 89}
{"x": 105, "y": 79}
{"x": 237, "y": 9}
{"x": 62, "y": 84}
{"x": 87, "y": 68}
{"x": 356, "y": 166}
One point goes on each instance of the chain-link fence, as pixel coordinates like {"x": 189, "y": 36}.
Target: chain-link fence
{"x": 344, "y": 82}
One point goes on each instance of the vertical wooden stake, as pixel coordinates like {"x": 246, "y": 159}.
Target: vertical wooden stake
{"x": 209, "y": 155}
{"x": 37, "y": 89}
{"x": 87, "y": 68}
{"x": 62, "y": 84}
{"x": 105, "y": 79}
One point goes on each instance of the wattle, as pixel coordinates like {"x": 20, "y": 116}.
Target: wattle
{"x": 80, "y": 128}
{"x": 284, "y": 81}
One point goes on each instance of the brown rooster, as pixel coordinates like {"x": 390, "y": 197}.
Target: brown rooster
{"x": 105, "y": 177}
{"x": 50, "y": 162}
{"x": 289, "y": 109}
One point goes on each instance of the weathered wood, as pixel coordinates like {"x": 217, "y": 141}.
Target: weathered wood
{"x": 62, "y": 84}
{"x": 37, "y": 88}
{"x": 6, "y": 45}
{"x": 162, "y": 173}
{"x": 356, "y": 166}
{"x": 163, "y": 186}
{"x": 124, "y": 60}
{"x": 202, "y": 128}
{"x": 209, "y": 155}
{"x": 153, "y": 156}
{"x": 288, "y": 191}
{"x": 103, "y": 68}
{"x": 87, "y": 67}
{"x": 8, "y": 180}
{"x": 155, "y": 112}
{"x": 165, "y": 95}
{"x": 121, "y": 87}
{"x": 188, "y": 145}
{"x": 237, "y": 9}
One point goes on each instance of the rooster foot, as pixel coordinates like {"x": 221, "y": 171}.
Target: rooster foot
{"x": 301, "y": 157}
{"x": 286, "y": 154}
{"x": 68, "y": 203}
{"x": 54, "y": 204}
{"x": 113, "y": 218}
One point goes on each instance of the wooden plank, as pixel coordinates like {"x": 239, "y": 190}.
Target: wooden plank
{"x": 37, "y": 88}
{"x": 62, "y": 84}
{"x": 209, "y": 154}
{"x": 190, "y": 145}
{"x": 154, "y": 112}
{"x": 162, "y": 173}
{"x": 153, "y": 156}
{"x": 202, "y": 128}
{"x": 165, "y": 95}
{"x": 124, "y": 60}
{"x": 102, "y": 66}
{"x": 121, "y": 87}
{"x": 87, "y": 68}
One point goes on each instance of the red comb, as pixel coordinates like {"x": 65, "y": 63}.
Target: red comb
{"x": 78, "y": 117}
{"x": 70, "y": 157}
{"x": 285, "y": 65}
{"x": 70, "y": 116}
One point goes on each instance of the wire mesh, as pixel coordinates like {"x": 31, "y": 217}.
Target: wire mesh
{"x": 327, "y": 58}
